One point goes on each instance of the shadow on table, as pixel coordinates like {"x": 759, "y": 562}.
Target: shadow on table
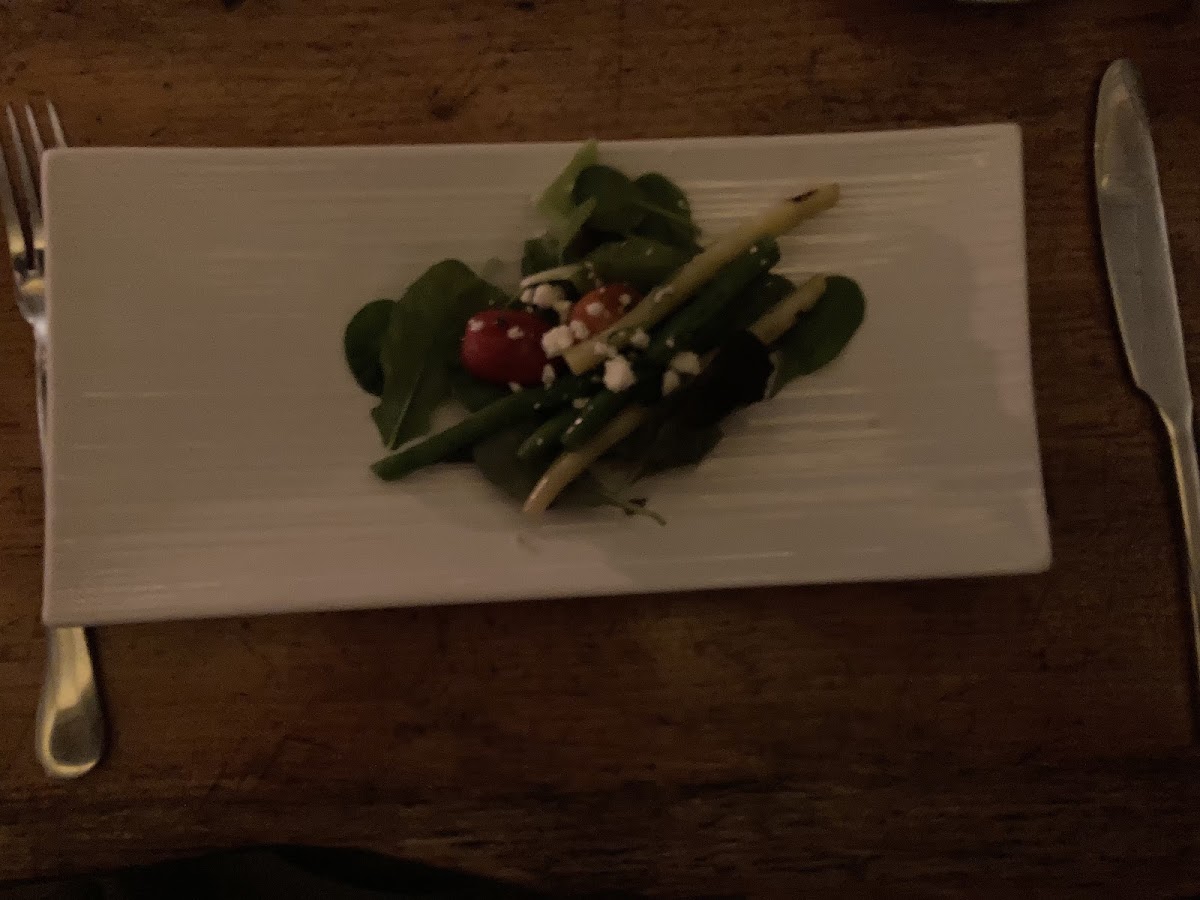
{"x": 294, "y": 873}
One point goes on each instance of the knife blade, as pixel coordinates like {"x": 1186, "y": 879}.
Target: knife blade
{"x": 1133, "y": 232}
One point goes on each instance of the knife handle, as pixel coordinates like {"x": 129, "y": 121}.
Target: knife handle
{"x": 1187, "y": 473}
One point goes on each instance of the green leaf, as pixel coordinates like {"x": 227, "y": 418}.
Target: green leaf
{"x": 541, "y": 253}
{"x": 565, "y": 230}
{"x": 421, "y": 342}
{"x": 666, "y": 442}
{"x": 471, "y": 392}
{"x": 762, "y": 294}
{"x": 496, "y": 458}
{"x": 821, "y": 333}
{"x": 665, "y": 194}
{"x": 639, "y": 261}
{"x": 662, "y": 191}
{"x": 618, "y": 202}
{"x": 362, "y": 342}
{"x": 402, "y": 366}
{"x": 556, "y": 202}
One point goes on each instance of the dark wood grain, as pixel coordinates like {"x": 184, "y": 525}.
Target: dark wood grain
{"x": 986, "y": 736}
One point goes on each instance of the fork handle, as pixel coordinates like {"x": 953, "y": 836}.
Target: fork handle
{"x": 1187, "y": 474}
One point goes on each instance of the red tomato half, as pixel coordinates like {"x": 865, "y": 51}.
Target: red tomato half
{"x": 602, "y": 307}
{"x": 504, "y": 346}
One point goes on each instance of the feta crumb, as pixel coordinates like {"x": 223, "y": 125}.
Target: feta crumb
{"x": 618, "y": 374}
{"x": 625, "y": 300}
{"x": 475, "y": 325}
{"x": 515, "y": 333}
{"x": 604, "y": 349}
{"x": 547, "y": 296}
{"x": 557, "y": 341}
{"x": 579, "y": 330}
{"x": 514, "y": 387}
{"x": 595, "y": 308}
{"x": 753, "y": 249}
{"x": 579, "y": 402}
{"x": 527, "y": 296}
{"x": 640, "y": 339}
{"x": 671, "y": 381}
{"x": 548, "y": 374}
{"x": 686, "y": 362}
{"x": 670, "y": 342}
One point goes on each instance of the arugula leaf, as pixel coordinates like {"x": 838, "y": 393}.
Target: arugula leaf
{"x": 640, "y": 261}
{"x": 556, "y": 201}
{"x": 362, "y": 342}
{"x": 664, "y": 193}
{"x": 421, "y": 342}
{"x": 821, "y": 333}
{"x": 496, "y": 458}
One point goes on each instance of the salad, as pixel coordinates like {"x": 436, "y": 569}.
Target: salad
{"x": 628, "y": 340}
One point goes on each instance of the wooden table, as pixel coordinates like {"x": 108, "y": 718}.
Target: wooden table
{"x": 994, "y": 735}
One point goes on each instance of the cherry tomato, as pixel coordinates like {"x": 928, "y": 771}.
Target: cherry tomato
{"x": 504, "y": 346}
{"x": 602, "y": 307}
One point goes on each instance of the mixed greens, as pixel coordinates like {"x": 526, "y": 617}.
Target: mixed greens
{"x": 628, "y": 341}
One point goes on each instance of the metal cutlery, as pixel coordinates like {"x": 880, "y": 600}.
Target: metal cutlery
{"x": 1133, "y": 230}
{"x": 70, "y": 731}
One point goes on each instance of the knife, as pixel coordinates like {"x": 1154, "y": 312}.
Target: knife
{"x": 1133, "y": 230}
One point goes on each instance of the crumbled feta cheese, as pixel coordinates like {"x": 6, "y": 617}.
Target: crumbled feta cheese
{"x": 625, "y": 300}
{"x": 515, "y": 333}
{"x": 618, "y": 374}
{"x": 513, "y": 386}
{"x": 475, "y": 325}
{"x": 753, "y": 249}
{"x": 604, "y": 349}
{"x": 670, "y": 382}
{"x": 579, "y": 402}
{"x": 640, "y": 339}
{"x": 547, "y": 296}
{"x": 595, "y": 308}
{"x": 548, "y": 374}
{"x": 580, "y": 330}
{"x": 557, "y": 341}
{"x": 686, "y": 362}
{"x": 670, "y": 342}
{"x": 527, "y": 296}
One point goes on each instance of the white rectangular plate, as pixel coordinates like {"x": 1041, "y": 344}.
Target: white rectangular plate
{"x": 208, "y": 450}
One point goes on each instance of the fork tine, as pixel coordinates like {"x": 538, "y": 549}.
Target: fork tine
{"x": 33, "y": 207}
{"x": 12, "y": 219}
{"x": 60, "y": 139}
{"x": 38, "y": 147}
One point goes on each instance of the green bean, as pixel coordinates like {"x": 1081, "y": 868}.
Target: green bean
{"x": 504, "y": 412}
{"x": 600, "y": 409}
{"x": 546, "y": 442}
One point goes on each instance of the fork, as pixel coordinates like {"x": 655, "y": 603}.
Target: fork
{"x": 70, "y": 733}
